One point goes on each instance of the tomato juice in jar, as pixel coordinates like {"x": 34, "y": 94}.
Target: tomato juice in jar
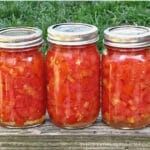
{"x": 22, "y": 85}
{"x": 73, "y": 75}
{"x": 126, "y": 77}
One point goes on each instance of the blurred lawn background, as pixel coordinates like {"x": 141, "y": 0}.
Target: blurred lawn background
{"x": 103, "y": 14}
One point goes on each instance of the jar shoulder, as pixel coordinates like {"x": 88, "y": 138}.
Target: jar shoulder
{"x": 82, "y": 50}
{"x": 17, "y": 57}
{"x": 121, "y": 57}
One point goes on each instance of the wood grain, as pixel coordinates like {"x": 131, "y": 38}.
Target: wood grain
{"x": 97, "y": 137}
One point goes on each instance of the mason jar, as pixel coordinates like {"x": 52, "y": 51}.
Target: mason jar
{"x": 73, "y": 75}
{"x": 126, "y": 77}
{"x": 22, "y": 84}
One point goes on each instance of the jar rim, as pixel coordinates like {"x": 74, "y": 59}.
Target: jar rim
{"x": 20, "y": 37}
{"x": 127, "y": 36}
{"x": 72, "y": 34}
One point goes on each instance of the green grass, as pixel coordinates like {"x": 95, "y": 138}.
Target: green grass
{"x": 102, "y": 14}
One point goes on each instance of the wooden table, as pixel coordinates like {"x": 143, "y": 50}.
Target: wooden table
{"x": 96, "y": 137}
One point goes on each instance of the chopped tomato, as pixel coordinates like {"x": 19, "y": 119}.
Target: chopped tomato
{"x": 22, "y": 87}
{"x": 73, "y": 76}
{"x": 126, "y": 88}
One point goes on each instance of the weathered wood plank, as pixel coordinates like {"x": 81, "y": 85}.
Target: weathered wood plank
{"x": 76, "y": 142}
{"x": 97, "y": 137}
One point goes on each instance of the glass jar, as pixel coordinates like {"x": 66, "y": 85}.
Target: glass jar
{"x": 22, "y": 86}
{"x": 126, "y": 77}
{"x": 73, "y": 75}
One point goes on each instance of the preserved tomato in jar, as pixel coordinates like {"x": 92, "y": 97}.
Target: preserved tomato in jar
{"x": 126, "y": 77}
{"x": 73, "y": 75}
{"x": 22, "y": 85}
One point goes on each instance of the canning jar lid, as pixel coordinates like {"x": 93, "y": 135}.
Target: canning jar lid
{"x": 20, "y": 37}
{"x": 127, "y": 36}
{"x": 72, "y": 34}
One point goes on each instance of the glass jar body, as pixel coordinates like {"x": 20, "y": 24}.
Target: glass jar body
{"x": 126, "y": 87}
{"x": 73, "y": 77}
{"x": 22, "y": 87}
